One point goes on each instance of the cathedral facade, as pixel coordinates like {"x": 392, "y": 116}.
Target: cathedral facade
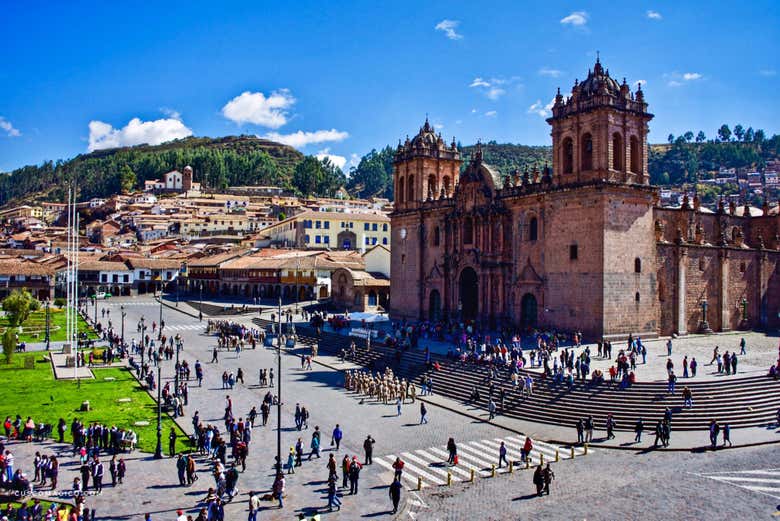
{"x": 579, "y": 245}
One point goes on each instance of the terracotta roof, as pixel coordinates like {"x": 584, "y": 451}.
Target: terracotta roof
{"x": 24, "y": 267}
{"x": 98, "y": 265}
{"x": 153, "y": 264}
{"x": 214, "y": 260}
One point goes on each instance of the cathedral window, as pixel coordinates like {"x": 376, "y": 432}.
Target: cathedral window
{"x": 410, "y": 189}
{"x": 635, "y": 157}
{"x": 400, "y": 195}
{"x": 533, "y": 229}
{"x": 617, "y": 152}
{"x": 637, "y": 265}
{"x": 573, "y": 252}
{"x": 568, "y": 156}
{"x": 587, "y": 152}
{"x": 436, "y": 236}
{"x": 468, "y": 231}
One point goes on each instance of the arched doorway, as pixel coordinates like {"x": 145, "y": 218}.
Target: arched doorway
{"x": 528, "y": 310}
{"x": 469, "y": 294}
{"x": 434, "y": 305}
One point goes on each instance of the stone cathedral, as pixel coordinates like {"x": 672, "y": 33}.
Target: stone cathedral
{"x": 581, "y": 245}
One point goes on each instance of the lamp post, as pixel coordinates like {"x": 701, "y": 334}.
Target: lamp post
{"x": 176, "y": 376}
{"x": 48, "y": 326}
{"x": 94, "y": 297}
{"x": 158, "y": 449}
{"x": 122, "y": 340}
{"x": 159, "y": 335}
{"x": 200, "y": 308}
{"x": 297, "y": 282}
{"x": 279, "y": 392}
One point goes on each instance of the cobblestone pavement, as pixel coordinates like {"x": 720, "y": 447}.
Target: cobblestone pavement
{"x": 604, "y": 485}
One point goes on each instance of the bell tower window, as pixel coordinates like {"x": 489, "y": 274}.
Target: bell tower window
{"x": 587, "y": 152}
{"x": 568, "y": 156}
{"x": 617, "y": 152}
{"x": 468, "y": 231}
{"x": 635, "y": 161}
{"x": 410, "y": 189}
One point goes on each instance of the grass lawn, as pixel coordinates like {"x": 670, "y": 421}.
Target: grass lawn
{"x": 34, "y": 328}
{"x": 47, "y": 400}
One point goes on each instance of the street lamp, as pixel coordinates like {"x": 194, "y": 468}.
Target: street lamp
{"x": 122, "y": 309}
{"x": 94, "y": 297}
{"x": 159, "y": 336}
{"x": 48, "y": 326}
{"x": 158, "y": 449}
{"x": 176, "y": 376}
{"x": 279, "y": 392}
{"x": 200, "y": 308}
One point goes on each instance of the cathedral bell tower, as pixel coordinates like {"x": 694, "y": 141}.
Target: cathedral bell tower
{"x": 425, "y": 168}
{"x": 600, "y": 132}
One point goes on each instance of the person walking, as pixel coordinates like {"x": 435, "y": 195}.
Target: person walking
{"x": 423, "y": 413}
{"x": 742, "y": 345}
{"x": 727, "y": 433}
{"x": 539, "y": 480}
{"x": 453, "y": 451}
{"x": 491, "y": 409}
{"x": 345, "y": 463}
{"x": 398, "y": 406}
{"x": 172, "y": 442}
{"x": 502, "y": 455}
{"x": 278, "y": 488}
{"x": 354, "y": 475}
{"x": 669, "y": 347}
{"x": 112, "y": 470}
{"x": 580, "y": 431}
{"x": 336, "y": 437}
{"x": 638, "y": 428}
{"x": 589, "y": 429}
{"x": 398, "y": 467}
{"x": 333, "y": 499}
{"x": 254, "y": 506}
{"x": 610, "y": 425}
{"x": 687, "y": 397}
{"x": 368, "y": 447}
{"x": 97, "y": 475}
{"x": 181, "y": 468}
{"x": 549, "y": 476}
{"x": 315, "y": 443}
{"x": 714, "y": 431}
{"x": 395, "y": 493}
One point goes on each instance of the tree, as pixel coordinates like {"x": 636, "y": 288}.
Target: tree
{"x": 724, "y": 132}
{"x": 670, "y": 138}
{"x": 739, "y": 132}
{"x": 688, "y": 136}
{"x": 700, "y": 137}
{"x": 18, "y": 306}
{"x": 9, "y": 345}
{"x": 307, "y": 175}
{"x": 749, "y": 135}
{"x": 127, "y": 179}
{"x": 759, "y": 137}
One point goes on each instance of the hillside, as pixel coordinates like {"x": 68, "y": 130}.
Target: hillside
{"x": 219, "y": 162}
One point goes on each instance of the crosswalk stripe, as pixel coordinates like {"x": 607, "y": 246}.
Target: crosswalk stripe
{"x": 776, "y": 490}
{"x": 414, "y": 470}
{"x": 454, "y": 469}
{"x": 462, "y": 462}
{"x": 511, "y": 452}
{"x": 473, "y": 454}
{"x": 749, "y": 480}
{"x": 389, "y": 466}
{"x": 548, "y": 451}
{"x": 423, "y": 463}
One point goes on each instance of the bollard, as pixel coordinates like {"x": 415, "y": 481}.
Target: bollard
{"x": 419, "y": 483}
{"x": 572, "y": 453}
{"x": 493, "y": 471}
{"x": 557, "y": 456}
{"x": 528, "y": 462}
{"x": 449, "y": 478}
{"x": 511, "y": 467}
{"x": 541, "y": 458}
{"x": 472, "y": 476}
{"x": 586, "y": 449}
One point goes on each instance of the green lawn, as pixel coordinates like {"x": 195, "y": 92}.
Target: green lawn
{"x": 34, "y": 328}
{"x": 47, "y": 399}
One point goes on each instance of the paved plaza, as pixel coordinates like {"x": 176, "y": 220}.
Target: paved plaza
{"x": 604, "y": 484}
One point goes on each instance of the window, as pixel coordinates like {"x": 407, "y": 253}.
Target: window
{"x": 436, "y": 236}
{"x": 367, "y": 241}
{"x": 468, "y": 231}
{"x": 384, "y": 241}
{"x": 366, "y": 227}
{"x": 573, "y": 252}
{"x": 351, "y": 225}
{"x": 306, "y": 239}
{"x": 617, "y": 152}
{"x": 375, "y": 227}
{"x": 373, "y": 241}
{"x": 103, "y": 277}
{"x": 533, "y": 229}
{"x": 587, "y": 152}
{"x": 317, "y": 239}
{"x": 384, "y": 227}
{"x": 410, "y": 189}
{"x": 126, "y": 278}
{"x": 635, "y": 154}
{"x": 318, "y": 224}
{"x": 568, "y": 156}
{"x": 636, "y": 297}
{"x": 742, "y": 267}
{"x": 326, "y": 239}
{"x": 637, "y": 265}
{"x": 403, "y": 258}
{"x": 327, "y": 225}
{"x": 400, "y": 194}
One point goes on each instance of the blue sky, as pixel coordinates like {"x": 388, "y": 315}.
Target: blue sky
{"x": 341, "y": 78}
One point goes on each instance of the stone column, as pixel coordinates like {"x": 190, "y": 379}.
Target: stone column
{"x": 761, "y": 290}
{"x": 723, "y": 261}
{"x": 682, "y": 257}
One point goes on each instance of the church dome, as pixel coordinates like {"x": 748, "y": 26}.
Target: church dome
{"x": 426, "y": 136}
{"x": 598, "y": 82}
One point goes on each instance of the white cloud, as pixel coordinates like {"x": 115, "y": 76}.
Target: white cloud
{"x": 338, "y": 161}
{"x": 354, "y": 160}
{"x": 136, "y": 132}
{"x": 473, "y": 111}
{"x": 449, "y": 28}
{"x": 654, "y": 15}
{"x": 577, "y": 18}
{"x": 171, "y": 113}
{"x": 8, "y": 128}
{"x": 438, "y": 126}
{"x": 767, "y": 72}
{"x": 552, "y": 73}
{"x": 300, "y": 139}
{"x": 675, "y": 79}
{"x": 494, "y": 93}
{"x": 256, "y": 108}
{"x": 640, "y": 82}
{"x": 479, "y": 82}
{"x": 491, "y": 113}
{"x": 542, "y": 111}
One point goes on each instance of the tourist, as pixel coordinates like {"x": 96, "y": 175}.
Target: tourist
{"x": 539, "y": 480}
{"x": 687, "y": 397}
{"x": 694, "y": 364}
{"x": 423, "y": 413}
{"x": 395, "y": 493}
{"x": 742, "y": 345}
{"x": 333, "y": 499}
{"x": 589, "y": 429}
{"x": 336, "y": 437}
{"x": 453, "y": 451}
{"x": 254, "y": 506}
{"x": 398, "y": 467}
{"x": 549, "y": 476}
{"x": 671, "y": 383}
{"x": 638, "y": 428}
{"x": 502, "y": 455}
{"x": 354, "y": 475}
{"x": 368, "y": 447}
{"x": 669, "y": 347}
{"x": 727, "y": 430}
{"x": 610, "y": 425}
